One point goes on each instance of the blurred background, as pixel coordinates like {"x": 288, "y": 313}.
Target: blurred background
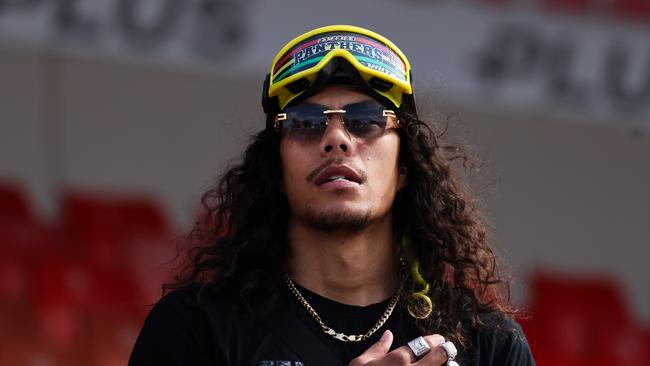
{"x": 115, "y": 115}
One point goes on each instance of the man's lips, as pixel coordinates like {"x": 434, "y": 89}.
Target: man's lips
{"x": 338, "y": 173}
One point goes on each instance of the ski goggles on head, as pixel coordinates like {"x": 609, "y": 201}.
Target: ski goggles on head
{"x": 330, "y": 54}
{"x": 308, "y": 121}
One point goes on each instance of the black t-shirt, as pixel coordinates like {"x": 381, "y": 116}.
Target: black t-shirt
{"x": 193, "y": 327}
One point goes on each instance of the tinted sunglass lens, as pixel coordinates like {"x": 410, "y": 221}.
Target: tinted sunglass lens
{"x": 365, "y": 119}
{"x": 305, "y": 121}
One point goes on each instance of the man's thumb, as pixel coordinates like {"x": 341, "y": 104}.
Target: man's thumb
{"x": 383, "y": 344}
{"x": 376, "y": 350}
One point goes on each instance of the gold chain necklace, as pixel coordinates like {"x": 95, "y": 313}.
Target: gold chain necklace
{"x": 332, "y": 332}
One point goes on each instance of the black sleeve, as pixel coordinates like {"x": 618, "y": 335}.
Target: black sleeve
{"x": 176, "y": 332}
{"x": 502, "y": 343}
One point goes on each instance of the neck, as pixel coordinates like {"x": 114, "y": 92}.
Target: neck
{"x": 353, "y": 268}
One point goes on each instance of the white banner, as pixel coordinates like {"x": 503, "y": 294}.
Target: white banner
{"x": 581, "y": 64}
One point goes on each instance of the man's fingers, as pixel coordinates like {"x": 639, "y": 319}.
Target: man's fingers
{"x": 437, "y": 355}
{"x": 404, "y": 356}
{"x": 375, "y": 351}
{"x": 378, "y": 353}
{"x": 382, "y": 346}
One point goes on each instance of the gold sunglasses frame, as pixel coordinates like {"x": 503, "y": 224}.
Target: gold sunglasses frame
{"x": 385, "y": 113}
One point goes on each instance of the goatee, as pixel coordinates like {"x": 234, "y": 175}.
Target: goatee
{"x": 338, "y": 221}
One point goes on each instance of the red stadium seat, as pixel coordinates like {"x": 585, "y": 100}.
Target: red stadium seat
{"x": 13, "y": 204}
{"x": 61, "y": 287}
{"x": 103, "y": 225}
{"x": 581, "y": 321}
{"x": 110, "y": 340}
{"x": 23, "y": 237}
{"x": 142, "y": 216}
{"x": 124, "y": 235}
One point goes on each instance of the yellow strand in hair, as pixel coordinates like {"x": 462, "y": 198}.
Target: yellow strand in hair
{"x": 418, "y": 303}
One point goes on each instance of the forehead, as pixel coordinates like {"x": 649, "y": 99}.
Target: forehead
{"x": 335, "y": 96}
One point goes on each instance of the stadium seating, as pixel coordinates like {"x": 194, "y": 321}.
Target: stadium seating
{"x": 86, "y": 281}
{"x": 581, "y": 320}
{"x": 82, "y": 282}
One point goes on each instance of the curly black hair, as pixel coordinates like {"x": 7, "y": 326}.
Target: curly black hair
{"x": 240, "y": 245}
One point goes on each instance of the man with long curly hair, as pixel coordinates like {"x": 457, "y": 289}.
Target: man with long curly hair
{"x": 342, "y": 238}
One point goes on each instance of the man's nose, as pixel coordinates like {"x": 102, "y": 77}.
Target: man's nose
{"x": 335, "y": 139}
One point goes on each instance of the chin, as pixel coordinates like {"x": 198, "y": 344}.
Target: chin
{"x": 338, "y": 220}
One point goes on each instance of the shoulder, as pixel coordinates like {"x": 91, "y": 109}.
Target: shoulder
{"x": 184, "y": 325}
{"x": 499, "y": 340}
{"x": 188, "y": 306}
{"x": 195, "y": 299}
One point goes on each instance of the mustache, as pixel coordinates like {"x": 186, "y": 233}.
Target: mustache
{"x": 329, "y": 162}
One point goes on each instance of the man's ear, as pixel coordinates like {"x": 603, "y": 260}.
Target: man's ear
{"x": 402, "y": 178}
